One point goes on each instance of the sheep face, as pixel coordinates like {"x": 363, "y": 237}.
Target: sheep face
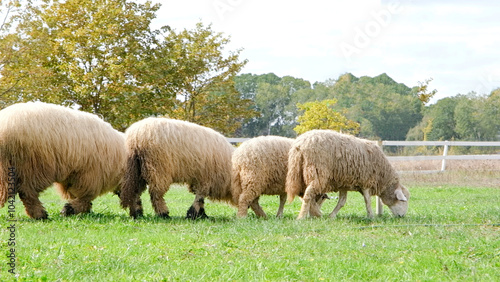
{"x": 398, "y": 202}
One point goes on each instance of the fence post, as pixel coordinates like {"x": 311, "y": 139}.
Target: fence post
{"x": 445, "y": 153}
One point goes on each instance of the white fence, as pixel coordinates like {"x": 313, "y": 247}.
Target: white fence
{"x": 445, "y": 155}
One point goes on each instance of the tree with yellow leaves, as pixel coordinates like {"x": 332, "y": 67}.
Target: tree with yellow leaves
{"x": 320, "y": 115}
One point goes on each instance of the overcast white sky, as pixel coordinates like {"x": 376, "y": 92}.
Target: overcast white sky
{"x": 457, "y": 43}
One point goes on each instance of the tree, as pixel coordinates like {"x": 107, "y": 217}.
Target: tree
{"x": 475, "y": 117}
{"x": 467, "y": 118}
{"x": 320, "y": 115}
{"x": 103, "y": 57}
{"x": 462, "y": 117}
{"x": 423, "y": 95}
{"x": 443, "y": 119}
{"x": 224, "y": 110}
{"x": 274, "y": 101}
{"x": 85, "y": 53}
{"x": 490, "y": 115}
{"x": 384, "y": 108}
{"x": 204, "y": 79}
{"x": 271, "y": 101}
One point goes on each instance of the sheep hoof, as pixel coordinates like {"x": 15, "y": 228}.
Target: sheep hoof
{"x": 202, "y": 214}
{"x": 164, "y": 215}
{"x": 193, "y": 214}
{"x": 44, "y": 216}
{"x": 68, "y": 210}
{"x": 137, "y": 213}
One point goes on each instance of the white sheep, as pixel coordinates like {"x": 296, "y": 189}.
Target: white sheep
{"x": 322, "y": 161}
{"x": 44, "y": 144}
{"x": 260, "y": 168}
{"x": 162, "y": 151}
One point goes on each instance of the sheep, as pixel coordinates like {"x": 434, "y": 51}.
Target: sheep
{"x": 260, "y": 168}
{"x": 162, "y": 151}
{"x": 46, "y": 144}
{"x": 323, "y": 160}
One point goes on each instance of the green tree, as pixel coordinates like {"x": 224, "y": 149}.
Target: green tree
{"x": 86, "y": 53}
{"x": 466, "y": 117}
{"x": 490, "y": 115}
{"x": 463, "y": 117}
{"x": 321, "y": 115}
{"x": 103, "y": 57}
{"x": 384, "y": 108}
{"x": 204, "y": 79}
{"x": 271, "y": 101}
{"x": 475, "y": 117}
{"x": 443, "y": 119}
{"x": 274, "y": 102}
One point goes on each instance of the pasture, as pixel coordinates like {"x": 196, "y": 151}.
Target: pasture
{"x": 451, "y": 232}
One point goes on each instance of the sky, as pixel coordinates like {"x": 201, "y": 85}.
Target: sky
{"x": 456, "y": 43}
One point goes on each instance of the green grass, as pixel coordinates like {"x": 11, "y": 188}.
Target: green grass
{"x": 450, "y": 233}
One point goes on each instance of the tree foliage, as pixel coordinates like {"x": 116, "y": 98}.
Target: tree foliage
{"x": 203, "y": 81}
{"x": 274, "y": 101}
{"x": 469, "y": 117}
{"x": 103, "y": 57}
{"x": 384, "y": 108}
{"x": 422, "y": 90}
{"x": 88, "y": 53}
{"x": 321, "y": 115}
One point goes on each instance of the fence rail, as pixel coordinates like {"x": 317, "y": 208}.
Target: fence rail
{"x": 442, "y": 143}
{"x": 448, "y": 157}
{"x": 445, "y": 155}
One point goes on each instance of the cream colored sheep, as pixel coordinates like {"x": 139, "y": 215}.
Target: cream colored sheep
{"x": 321, "y": 161}
{"x": 45, "y": 144}
{"x": 163, "y": 151}
{"x": 260, "y": 168}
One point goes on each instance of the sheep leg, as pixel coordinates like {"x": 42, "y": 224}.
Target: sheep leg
{"x": 197, "y": 209}
{"x": 257, "y": 209}
{"x": 314, "y": 210}
{"x": 309, "y": 195}
{"x": 368, "y": 203}
{"x": 249, "y": 200}
{"x": 32, "y": 204}
{"x": 320, "y": 199}
{"x": 340, "y": 203}
{"x": 282, "y": 205}
{"x": 159, "y": 205}
{"x": 244, "y": 203}
{"x": 76, "y": 206}
{"x": 135, "y": 207}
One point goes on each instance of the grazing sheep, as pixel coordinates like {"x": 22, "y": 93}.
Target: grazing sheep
{"x": 260, "y": 168}
{"x": 321, "y": 161}
{"x": 163, "y": 151}
{"x": 44, "y": 143}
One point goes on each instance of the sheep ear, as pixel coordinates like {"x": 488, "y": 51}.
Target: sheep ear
{"x": 400, "y": 196}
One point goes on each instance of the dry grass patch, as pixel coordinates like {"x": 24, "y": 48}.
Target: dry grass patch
{"x": 474, "y": 173}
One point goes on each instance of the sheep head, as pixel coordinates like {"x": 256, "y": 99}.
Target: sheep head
{"x": 397, "y": 200}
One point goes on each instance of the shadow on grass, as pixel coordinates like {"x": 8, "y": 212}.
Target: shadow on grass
{"x": 341, "y": 219}
{"x": 105, "y": 218}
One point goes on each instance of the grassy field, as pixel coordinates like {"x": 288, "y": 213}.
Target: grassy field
{"x": 450, "y": 233}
